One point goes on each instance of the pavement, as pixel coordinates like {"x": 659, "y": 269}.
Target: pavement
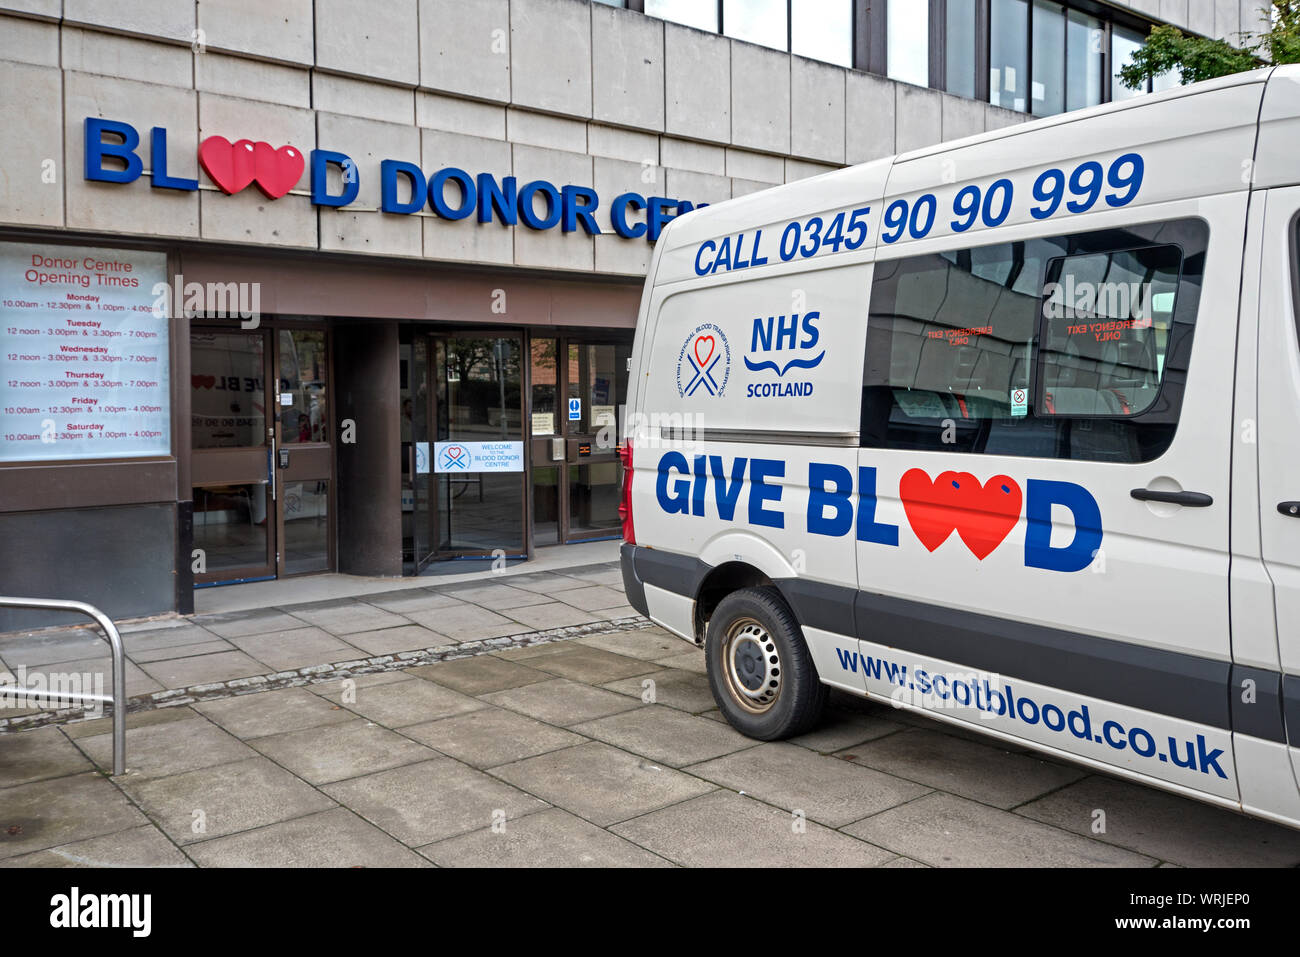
{"x": 531, "y": 719}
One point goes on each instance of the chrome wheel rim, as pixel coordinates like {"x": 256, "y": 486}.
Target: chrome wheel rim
{"x": 752, "y": 666}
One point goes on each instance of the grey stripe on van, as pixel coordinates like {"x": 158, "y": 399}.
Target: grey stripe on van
{"x": 1190, "y": 687}
{"x": 848, "y": 440}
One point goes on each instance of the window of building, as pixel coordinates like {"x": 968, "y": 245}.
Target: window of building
{"x": 959, "y": 47}
{"x": 1047, "y": 83}
{"x": 1123, "y": 44}
{"x": 1071, "y": 347}
{"x": 1009, "y": 54}
{"x": 700, "y": 14}
{"x": 1085, "y": 44}
{"x": 907, "y": 43}
{"x": 757, "y": 21}
{"x": 822, "y": 30}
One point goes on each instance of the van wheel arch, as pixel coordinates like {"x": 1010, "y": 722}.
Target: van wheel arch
{"x": 720, "y": 582}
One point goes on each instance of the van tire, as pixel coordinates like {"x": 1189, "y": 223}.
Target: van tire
{"x": 746, "y": 631}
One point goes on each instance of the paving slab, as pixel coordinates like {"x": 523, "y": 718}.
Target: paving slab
{"x": 144, "y": 642}
{"x": 27, "y": 756}
{"x": 982, "y": 772}
{"x": 546, "y": 583}
{"x": 134, "y": 719}
{"x": 41, "y": 814}
{"x": 550, "y": 838}
{"x": 591, "y": 665}
{"x": 342, "y": 618}
{"x": 173, "y": 747}
{"x": 496, "y": 595}
{"x": 205, "y": 669}
{"x": 665, "y": 735}
{"x": 841, "y": 729}
{"x": 491, "y": 736}
{"x": 826, "y": 789}
{"x": 594, "y": 598}
{"x": 225, "y": 799}
{"x": 356, "y": 682}
{"x": 481, "y": 674}
{"x": 562, "y": 702}
{"x": 414, "y": 599}
{"x": 554, "y": 614}
{"x": 683, "y": 690}
{"x": 296, "y": 648}
{"x": 944, "y": 830}
{"x": 240, "y": 623}
{"x": 338, "y": 751}
{"x": 91, "y": 671}
{"x": 273, "y": 712}
{"x": 1166, "y": 826}
{"x": 50, "y": 647}
{"x": 684, "y": 661}
{"x": 600, "y": 783}
{"x": 180, "y": 651}
{"x": 143, "y": 846}
{"x": 392, "y": 641}
{"x": 647, "y": 643}
{"x": 412, "y": 701}
{"x": 333, "y": 838}
{"x": 467, "y": 622}
{"x": 426, "y": 802}
{"x": 725, "y": 829}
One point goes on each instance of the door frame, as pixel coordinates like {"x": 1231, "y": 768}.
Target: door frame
{"x": 462, "y": 332}
{"x": 564, "y": 338}
{"x": 275, "y": 481}
{"x": 203, "y": 460}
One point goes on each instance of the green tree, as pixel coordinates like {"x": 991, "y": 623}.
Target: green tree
{"x": 1201, "y": 58}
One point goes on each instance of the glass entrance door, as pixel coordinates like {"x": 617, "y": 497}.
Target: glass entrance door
{"x": 578, "y": 386}
{"x": 262, "y": 453}
{"x": 231, "y": 437}
{"x": 468, "y": 494}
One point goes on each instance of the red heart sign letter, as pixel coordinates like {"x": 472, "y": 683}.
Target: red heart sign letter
{"x": 229, "y": 164}
{"x": 983, "y": 515}
{"x": 703, "y": 359}
{"x": 928, "y": 508}
{"x": 276, "y": 170}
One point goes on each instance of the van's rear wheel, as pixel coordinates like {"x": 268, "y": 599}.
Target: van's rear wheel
{"x": 760, "y": 670}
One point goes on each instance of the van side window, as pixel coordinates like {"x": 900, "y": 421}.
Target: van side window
{"x": 1070, "y": 347}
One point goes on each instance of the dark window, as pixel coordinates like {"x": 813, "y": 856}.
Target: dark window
{"x": 1071, "y": 347}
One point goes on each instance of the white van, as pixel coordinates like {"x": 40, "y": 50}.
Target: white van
{"x": 1005, "y": 431}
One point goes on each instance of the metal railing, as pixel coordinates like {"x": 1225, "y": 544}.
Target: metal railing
{"x": 117, "y": 698}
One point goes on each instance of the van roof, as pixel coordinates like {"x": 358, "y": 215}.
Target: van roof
{"x": 1180, "y": 118}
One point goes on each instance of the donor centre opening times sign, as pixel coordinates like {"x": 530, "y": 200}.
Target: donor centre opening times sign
{"x": 83, "y": 358}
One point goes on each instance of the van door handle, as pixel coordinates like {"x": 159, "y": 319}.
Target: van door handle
{"x": 1190, "y": 499}
{"x": 1289, "y": 509}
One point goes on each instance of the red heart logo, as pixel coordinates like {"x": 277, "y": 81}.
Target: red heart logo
{"x": 230, "y": 165}
{"x": 203, "y": 381}
{"x": 276, "y": 170}
{"x": 703, "y": 360}
{"x": 983, "y": 515}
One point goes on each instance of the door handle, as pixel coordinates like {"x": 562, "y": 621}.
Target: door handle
{"x": 1190, "y": 499}
{"x": 1289, "y": 509}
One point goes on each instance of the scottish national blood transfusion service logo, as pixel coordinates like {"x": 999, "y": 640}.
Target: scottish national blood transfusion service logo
{"x": 455, "y": 458}
{"x": 704, "y": 364}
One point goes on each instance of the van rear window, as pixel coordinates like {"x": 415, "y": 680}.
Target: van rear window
{"x": 1070, "y": 347}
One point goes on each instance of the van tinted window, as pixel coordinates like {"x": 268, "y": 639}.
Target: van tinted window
{"x": 1066, "y": 347}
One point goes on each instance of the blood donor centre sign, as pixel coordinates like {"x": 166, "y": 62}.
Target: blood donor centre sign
{"x": 83, "y": 358}
{"x": 450, "y": 458}
{"x": 114, "y": 154}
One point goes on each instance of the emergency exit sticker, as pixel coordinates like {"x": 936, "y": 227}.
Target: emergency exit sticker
{"x": 1019, "y": 402}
